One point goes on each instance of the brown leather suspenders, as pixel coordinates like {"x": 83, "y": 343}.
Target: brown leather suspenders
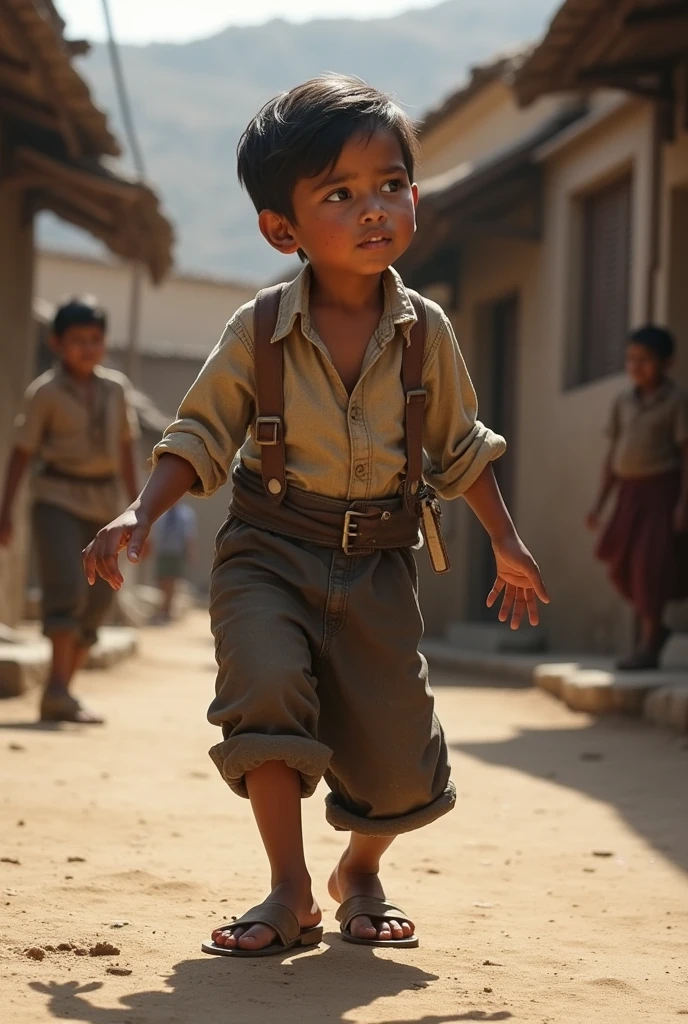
{"x": 269, "y": 368}
{"x": 269, "y": 426}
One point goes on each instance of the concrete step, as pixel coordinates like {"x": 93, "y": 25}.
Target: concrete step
{"x": 24, "y": 663}
{"x": 585, "y": 684}
{"x": 667, "y": 706}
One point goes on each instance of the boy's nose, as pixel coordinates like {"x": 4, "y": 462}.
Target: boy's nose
{"x": 374, "y": 215}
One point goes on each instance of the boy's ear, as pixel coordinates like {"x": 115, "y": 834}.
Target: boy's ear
{"x": 276, "y": 229}
{"x": 54, "y": 343}
{"x": 414, "y": 193}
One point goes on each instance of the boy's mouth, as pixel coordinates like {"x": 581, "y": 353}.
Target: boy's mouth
{"x": 375, "y": 241}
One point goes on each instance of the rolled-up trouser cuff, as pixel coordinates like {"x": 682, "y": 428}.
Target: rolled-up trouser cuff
{"x": 347, "y": 821}
{"x": 240, "y": 754}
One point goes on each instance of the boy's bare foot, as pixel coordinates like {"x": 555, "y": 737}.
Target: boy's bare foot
{"x": 296, "y": 896}
{"x": 356, "y": 878}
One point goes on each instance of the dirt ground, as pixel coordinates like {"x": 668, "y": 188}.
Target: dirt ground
{"x": 556, "y": 893}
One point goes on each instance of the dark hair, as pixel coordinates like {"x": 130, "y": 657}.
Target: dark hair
{"x": 301, "y": 133}
{"x": 658, "y": 339}
{"x": 78, "y": 312}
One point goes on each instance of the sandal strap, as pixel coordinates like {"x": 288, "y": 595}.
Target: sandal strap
{"x": 272, "y": 915}
{"x": 369, "y": 906}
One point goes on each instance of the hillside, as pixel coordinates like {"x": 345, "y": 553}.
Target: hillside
{"x": 192, "y": 101}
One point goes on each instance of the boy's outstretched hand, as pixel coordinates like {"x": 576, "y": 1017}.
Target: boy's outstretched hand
{"x": 519, "y": 579}
{"x": 130, "y": 531}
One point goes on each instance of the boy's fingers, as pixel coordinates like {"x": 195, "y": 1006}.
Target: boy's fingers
{"x": 109, "y": 570}
{"x": 519, "y": 608}
{"x": 533, "y": 613}
{"x": 498, "y": 587}
{"x": 508, "y": 602}
{"x": 89, "y": 563}
{"x": 537, "y": 584}
{"x": 136, "y": 544}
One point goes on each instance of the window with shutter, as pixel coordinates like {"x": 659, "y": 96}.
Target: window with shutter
{"x": 605, "y": 277}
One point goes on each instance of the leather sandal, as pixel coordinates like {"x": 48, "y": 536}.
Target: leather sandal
{"x": 377, "y": 910}
{"x": 290, "y": 934}
{"x": 62, "y": 707}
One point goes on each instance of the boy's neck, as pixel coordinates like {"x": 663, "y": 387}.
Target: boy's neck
{"x": 351, "y": 292}
{"x": 78, "y": 378}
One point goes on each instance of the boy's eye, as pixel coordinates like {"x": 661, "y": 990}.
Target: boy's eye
{"x": 392, "y": 186}
{"x": 339, "y": 196}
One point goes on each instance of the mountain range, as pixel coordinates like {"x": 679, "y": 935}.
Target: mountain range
{"x": 191, "y": 102}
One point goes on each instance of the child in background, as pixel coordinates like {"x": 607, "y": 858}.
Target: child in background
{"x": 645, "y": 544}
{"x": 78, "y": 424}
{"x": 174, "y": 537}
{"x": 330, "y": 387}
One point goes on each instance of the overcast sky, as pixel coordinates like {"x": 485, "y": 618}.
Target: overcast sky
{"x": 143, "y": 21}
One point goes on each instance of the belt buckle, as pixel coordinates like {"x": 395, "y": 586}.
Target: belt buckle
{"x": 350, "y": 531}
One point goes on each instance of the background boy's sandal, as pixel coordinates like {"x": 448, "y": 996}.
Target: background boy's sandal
{"x": 377, "y": 910}
{"x": 281, "y": 920}
{"x": 62, "y": 707}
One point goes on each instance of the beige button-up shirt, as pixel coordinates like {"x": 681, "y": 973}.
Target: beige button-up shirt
{"x": 79, "y": 432}
{"x": 648, "y": 433}
{"x": 339, "y": 446}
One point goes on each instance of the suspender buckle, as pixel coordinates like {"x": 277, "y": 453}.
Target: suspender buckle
{"x": 350, "y": 532}
{"x": 416, "y": 395}
{"x": 268, "y": 430}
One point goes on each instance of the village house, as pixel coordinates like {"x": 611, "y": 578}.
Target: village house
{"x": 553, "y": 217}
{"x": 179, "y": 324}
{"x": 55, "y": 146}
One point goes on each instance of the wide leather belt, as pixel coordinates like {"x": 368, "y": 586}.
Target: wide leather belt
{"x": 358, "y": 527}
{"x": 57, "y": 474}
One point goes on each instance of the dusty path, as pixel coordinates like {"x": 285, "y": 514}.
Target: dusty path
{"x": 557, "y": 891}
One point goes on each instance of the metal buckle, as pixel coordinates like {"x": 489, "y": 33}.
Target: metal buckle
{"x": 418, "y": 394}
{"x": 350, "y": 531}
{"x": 268, "y": 421}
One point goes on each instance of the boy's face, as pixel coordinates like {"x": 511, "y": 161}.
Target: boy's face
{"x": 359, "y": 216}
{"x": 80, "y": 348}
{"x": 644, "y": 367}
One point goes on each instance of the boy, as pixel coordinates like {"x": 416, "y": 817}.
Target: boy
{"x": 313, "y": 598}
{"x": 174, "y": 540}
{"x": 78, "y": 423}
{"x": 645, "y": 544}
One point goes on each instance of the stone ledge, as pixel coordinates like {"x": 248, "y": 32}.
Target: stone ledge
{"x": 668, "y": 707}
{"x": 24, "y": 663}
{"x": 590, "y": 685}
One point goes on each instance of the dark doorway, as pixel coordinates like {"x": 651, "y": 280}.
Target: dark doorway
{"x": 496, "y": 383}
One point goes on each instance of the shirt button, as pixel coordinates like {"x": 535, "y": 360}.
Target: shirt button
{"x": 360, "y": 470}
{"x": 355, "y": 413}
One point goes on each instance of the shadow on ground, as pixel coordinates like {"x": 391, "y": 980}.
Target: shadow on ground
{"x": 638, "y": 770}
{"x": 298, "y": 990}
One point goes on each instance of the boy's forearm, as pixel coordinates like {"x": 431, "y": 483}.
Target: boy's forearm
{"x": 169, "y": 481}
{"x": 19, "y": 461}
{"x": 129, "y": 474}
{"x": 485, "y": 500}
{"x": 607, "y": 485}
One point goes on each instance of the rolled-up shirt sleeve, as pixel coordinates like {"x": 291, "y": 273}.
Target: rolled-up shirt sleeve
{"x": 214, "y": 417}
{"x": 457, "y": 445}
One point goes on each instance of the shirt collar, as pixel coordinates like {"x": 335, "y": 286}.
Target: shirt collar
{"x": 663, "y": 391}
{"x": 397, "y": 310}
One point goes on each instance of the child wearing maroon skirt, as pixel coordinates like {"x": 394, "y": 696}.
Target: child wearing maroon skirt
{"x": 645, "y": 544}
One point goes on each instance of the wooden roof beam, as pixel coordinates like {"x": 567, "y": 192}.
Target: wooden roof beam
{"x": 594, "y": 39}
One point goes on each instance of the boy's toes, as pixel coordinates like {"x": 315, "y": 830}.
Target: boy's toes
{"x": 225, "y": 937}
{"x": 397, "y": 932}
{"x": 407, "y": 929}
{"x": 363, "y": 928}
{"x": 257, "y": 937}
